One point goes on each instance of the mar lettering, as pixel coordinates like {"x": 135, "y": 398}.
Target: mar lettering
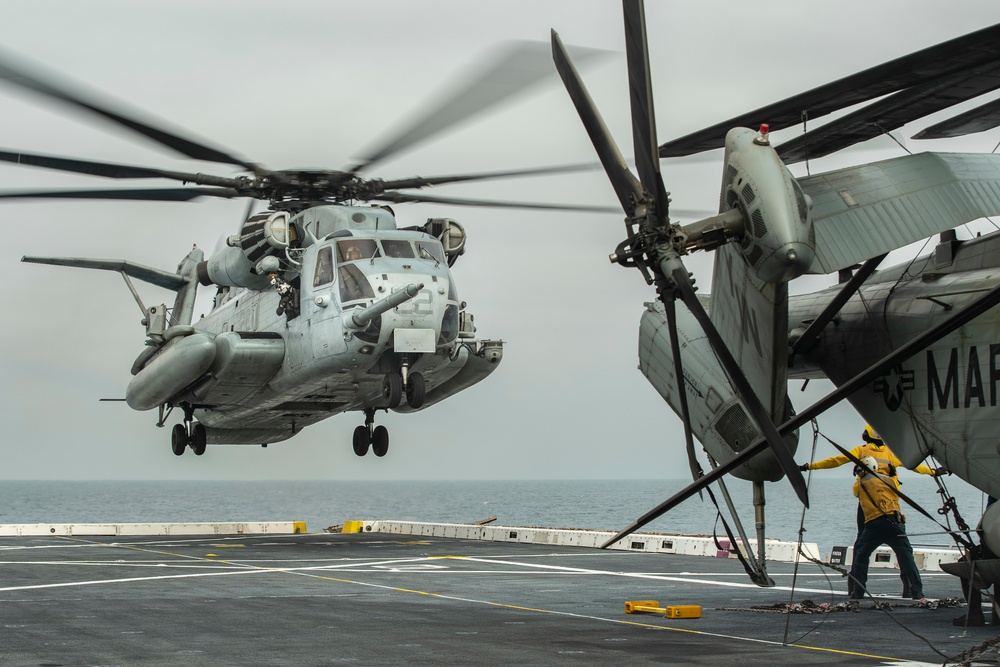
{"x": 950, "y": 390}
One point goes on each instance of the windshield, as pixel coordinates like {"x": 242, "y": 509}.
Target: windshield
{"x": 430, "y": 250}
{"x": 351, "y": 250}
{"x": 397, "y": 248}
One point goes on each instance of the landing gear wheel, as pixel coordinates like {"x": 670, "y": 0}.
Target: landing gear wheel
{"x": 380, "y": 441}
{"x": 178, "y": 439}
{"x": 392, "y": 390}
{"x": 199, "y": 438}
{"x": 416, "y": 390}
{"x": 361, "y": 440}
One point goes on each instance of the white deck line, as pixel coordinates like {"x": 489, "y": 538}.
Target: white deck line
{"x": 690, "y": 545}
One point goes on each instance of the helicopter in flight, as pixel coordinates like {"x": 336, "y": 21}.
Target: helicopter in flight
{"x": 322, "y": 304}
{"x": 913, "y": 348}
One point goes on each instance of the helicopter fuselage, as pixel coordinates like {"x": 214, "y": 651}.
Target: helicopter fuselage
{"x": 353, "y": 315}
{"x": 943, "y": 400}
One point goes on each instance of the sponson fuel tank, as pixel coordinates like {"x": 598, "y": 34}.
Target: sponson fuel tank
{"x": 181, "y": 361}
{"x": 229, "y": 366}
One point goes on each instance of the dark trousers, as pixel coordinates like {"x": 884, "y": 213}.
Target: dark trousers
{"x": 890, "y": 531}
{"x": 861, "y": 527}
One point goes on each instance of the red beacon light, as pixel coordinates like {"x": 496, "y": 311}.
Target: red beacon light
{"x": 762, "y": 138}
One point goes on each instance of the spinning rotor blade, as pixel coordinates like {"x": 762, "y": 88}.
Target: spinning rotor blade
{"x": 742, "y": 386}
{"x": 627, "y": 187}
{"x": 164, "y": 194}
{"x": 109, "y": 170}
{"x": 423, "y": 182}
{"x": 517, "y": 67}
{"x": 647, "y": 161}
{"x": 18, "y": 74}
{"x": 402, "y": 197}
{"x": 929, "y": 337}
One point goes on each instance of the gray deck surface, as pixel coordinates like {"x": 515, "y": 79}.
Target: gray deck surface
{"x": 373, "y": 599}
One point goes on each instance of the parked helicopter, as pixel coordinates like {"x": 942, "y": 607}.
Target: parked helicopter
{"x": 913, "y": 348}
{"x": 323, "y": 305}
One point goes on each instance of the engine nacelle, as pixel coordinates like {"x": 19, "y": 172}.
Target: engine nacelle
{"x": 230, "y": 267}
{"x": 252, "y": 254}
{"x": 778, "y": 239}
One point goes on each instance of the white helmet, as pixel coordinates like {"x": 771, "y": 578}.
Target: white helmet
{"x": 870, "y": 463}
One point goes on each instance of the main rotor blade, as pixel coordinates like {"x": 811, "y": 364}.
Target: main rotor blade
{"x": 647, "y": 161}
{"x": 164, "y": 194}
{"x": 982, "y": 118}
{"x": 110, "y": 170}
{"x": 962, "y": 53}
{"x": 742, "y": 386}
{"x": 890, "y": 113}
{"x": 627, "y": 187}
{"x": 516, "y": 68}
{"x": 403, "y": 197}
{"x": 18, "y": 74}
{"x": 423, "y": 182}
{"x": 907, "y": 350}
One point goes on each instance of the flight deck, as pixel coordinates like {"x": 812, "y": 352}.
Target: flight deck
{"x": 371, "y": 598}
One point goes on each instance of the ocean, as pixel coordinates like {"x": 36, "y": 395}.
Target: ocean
{"x": 591, "y": 504}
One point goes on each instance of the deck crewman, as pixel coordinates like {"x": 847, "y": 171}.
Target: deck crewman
{"x": 888, "y": 464}
{"x": 884, "y": 524}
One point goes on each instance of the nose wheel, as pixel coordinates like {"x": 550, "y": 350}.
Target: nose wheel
{"x": 369, "y": 435}
{"x": 416, "y": 390}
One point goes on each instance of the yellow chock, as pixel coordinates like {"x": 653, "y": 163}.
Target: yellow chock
{"x": 683, "y": 611}
{"x": 299, "y": 527}
{"x": 353, "y": 527}
{"x": 643, "y": 607}
{"x": 653, "y": 607}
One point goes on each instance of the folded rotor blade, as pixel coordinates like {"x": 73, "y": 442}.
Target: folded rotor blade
{"x": 962, "y": 53}
{"x": 647, "y": 160}
{"x": 626, "y": 185}
{"x": 901, "y": 354}
{"x": 516, "y": 68}
{"x": 403, "y": 197}
{"x": 423, "y": 182}
{"x": 164, "y": 194}
{"x": 742, "y": 386}
{"x": 18, "y": 74}
{"x": 982, "y": 118}
{"x": 890, "y": 113}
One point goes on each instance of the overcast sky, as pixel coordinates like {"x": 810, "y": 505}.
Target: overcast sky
{"x": 311, "y": 84}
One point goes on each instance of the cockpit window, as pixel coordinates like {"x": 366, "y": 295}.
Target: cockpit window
{"x": 396, "y": 248}
{"x": 324, "y": 267}
{"x": 353, "y": 249}
{"x": 430, "y": 250}
{"x": 353, "y": 284}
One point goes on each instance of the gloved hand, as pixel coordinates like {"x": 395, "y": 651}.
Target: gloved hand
{"x": 941, "y": 471}
{"x": 804, "y": 467}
